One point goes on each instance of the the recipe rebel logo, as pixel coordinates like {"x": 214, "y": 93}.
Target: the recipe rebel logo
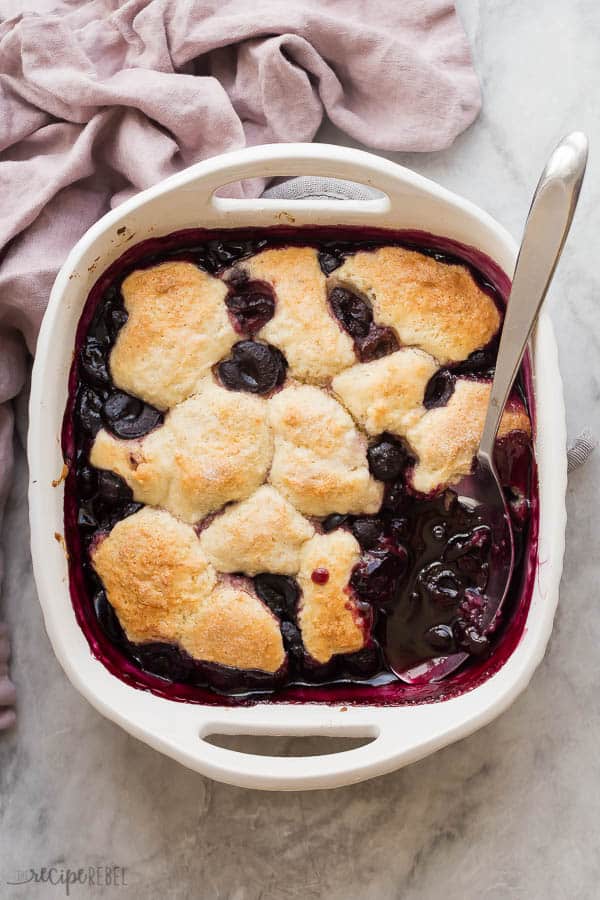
{"x": 65, "y": 877}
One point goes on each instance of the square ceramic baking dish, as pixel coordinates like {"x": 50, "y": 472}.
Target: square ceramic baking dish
{"x": 396, "y": 735}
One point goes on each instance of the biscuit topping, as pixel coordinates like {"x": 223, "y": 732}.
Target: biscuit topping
{"x": 291, "y": 421}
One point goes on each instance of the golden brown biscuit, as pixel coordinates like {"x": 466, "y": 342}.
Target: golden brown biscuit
{"x": 328, "y": 617}
{"x": 432, "y": 305}
{"x": 213, "y": 448}
{"x": 303, "y": 327}
{"x": 261, "y": 534}
{"x": 319, "y": 461}
{"x": 154, "y": 572}
{"x": 386, "y": 394}
{"x": 163, "y": 588}
{"x": 446, "y": 438}
{"x": 232, "y": 627}
{"x": 178, "y": 327}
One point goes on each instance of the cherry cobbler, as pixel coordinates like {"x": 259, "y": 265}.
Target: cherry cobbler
{"x": 263, "y": 436}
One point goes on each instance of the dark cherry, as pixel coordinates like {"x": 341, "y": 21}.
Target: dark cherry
{"x": 127, "y": 510}
{"x": 94, "y": 363}
{"x": 89, "y": 410}
{"x": 513, "y": 460}
{"x": 112, "y": 296}
{"x": 469, "y": 638}
{"x": 518, "y": 506}
{"x": 214, "y": 256}
{"x": 107, "y": 617}
{"x": 252, "y": 304}
{"x": 226, "y": 254}
{"x": 380, "y": 341}
{"x": 102, "y": 513}
{"x": 279, "y": 592}
{"x": 332, "y": 256}
{"x": 473, "y": 568}
{"x": 368, "y": 532}
{"x": 128, "y": 417}
{"x": 292, "y": 641}
{"x": 100, "y": 329}
{"x": 116, "y": 319}
{"x": 335, "y": 520}
{"x": 329, "y": 262}
{"x": 375, "y": 578}
{"x": 320, "y": 575}
{"x": 387, "y": 458}
{"x": 480, "y": 362}
{"x": 476, "y": 542}
{"x": 440, "y": 638}
{"x": 365, "y": 662}
{"x": 112, "y": 488}
{"x": 395, "y": 497}
{"x": 470, "y": 552}
{"x": 354, "y": 313}
{"x": 86, "y": 518}
{"x": 399, "y": 529}
{"x": 230, "y": 680}
{"x": 439, "y": 584}
{"x": 164, "y": 660}
{"x": 439, "y": 389}
{"x": 253, "y": 367}
{"x": 87, "y": 481}
{"x": 472, "y": 606}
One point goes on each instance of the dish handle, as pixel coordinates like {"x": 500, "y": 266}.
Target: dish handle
{"x": 279, "y": 160}
{"x": 382, "y": 742}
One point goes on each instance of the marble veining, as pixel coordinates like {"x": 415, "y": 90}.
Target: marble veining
{"x": 511, "y": 812}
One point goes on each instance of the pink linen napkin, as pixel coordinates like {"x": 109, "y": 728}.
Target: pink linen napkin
{"x": 102, "y": 99}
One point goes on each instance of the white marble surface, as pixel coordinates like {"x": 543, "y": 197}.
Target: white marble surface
{"x": 513, "y": 811}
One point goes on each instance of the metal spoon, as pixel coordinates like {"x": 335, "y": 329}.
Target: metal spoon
{"x": 546, "y": 230}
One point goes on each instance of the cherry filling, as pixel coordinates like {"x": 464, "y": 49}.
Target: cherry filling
{"x": 216, "y": 255}
{"x": 441, "y": 385}
{"x": 426, "y": 573}
{"x": 98, "y": 403}
{"x": 94, "y": 363}
{"x": 424, "y": 563}
{"x": 173, "y": 664}
{"x": 213, "y": 255}
{"x": 355, "y": 315}
{"x": 105, "y": 499}
{"x": 280, "y": 592}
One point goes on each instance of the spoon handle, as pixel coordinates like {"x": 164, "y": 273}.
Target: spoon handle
{"x": 546, "y": 230}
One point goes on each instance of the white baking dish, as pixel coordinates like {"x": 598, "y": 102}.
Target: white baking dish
{"x": 399, "y": 735}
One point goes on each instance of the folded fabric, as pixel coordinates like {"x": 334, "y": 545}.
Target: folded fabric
{"x": 7, "y": 690}
{"x": 101, "y": 99}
